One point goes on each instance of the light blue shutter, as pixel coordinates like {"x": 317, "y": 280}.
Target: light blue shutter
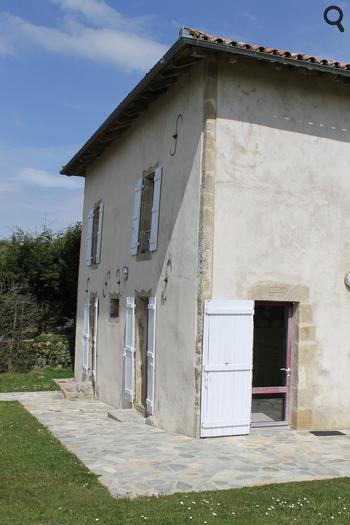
{"x": 86, "y": 333}
{"x": 155, "y": 209}
{"x": 151, "y": 345}
{"x": 99, "y": 233}
{"x": 129, "y": 349}
{"x": 89, "y": 226}
{"x": 94, "y": 340}
{"x": 136, "y": 217}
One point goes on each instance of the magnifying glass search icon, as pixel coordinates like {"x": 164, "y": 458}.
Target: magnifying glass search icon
{"x": 337, "y": 21}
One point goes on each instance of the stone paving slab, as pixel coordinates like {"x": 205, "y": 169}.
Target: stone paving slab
{"x": 133, "y": 459}
{"x": 126, "y": 415}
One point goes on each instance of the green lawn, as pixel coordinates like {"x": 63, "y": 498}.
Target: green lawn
{"x": 41, "y": 483}
{"x": 33, "y": 381}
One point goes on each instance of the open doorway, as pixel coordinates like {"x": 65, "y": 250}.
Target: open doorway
{"x": 271, "y": 364}
{"x": 141, "y": 333}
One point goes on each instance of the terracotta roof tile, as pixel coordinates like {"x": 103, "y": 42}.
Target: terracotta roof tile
{"x": 199, "y": 35}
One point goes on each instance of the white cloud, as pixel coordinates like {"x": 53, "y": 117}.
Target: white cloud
{"x": 93, "y": 9}
{"x": 8, "y": 187}
{"x": 100, "y": 13}
{"x": 118, "y": 40}
{"x": 42, "y": 178}
{"x": 5, "y": 49}
{"x": 30, "y": 208}
{"x": 31, "y": 196}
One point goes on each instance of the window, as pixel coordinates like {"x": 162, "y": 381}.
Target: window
{"x": 94, "y": 234}
{"x": 146, "y": 214}
{"x": 144, "y": 238}
{"x": 114, "y": 308}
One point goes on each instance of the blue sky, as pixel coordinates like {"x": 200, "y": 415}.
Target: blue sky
{"x": 66, "y": 64}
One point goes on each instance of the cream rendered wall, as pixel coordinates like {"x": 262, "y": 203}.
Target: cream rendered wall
{"x": 282, "y": 219}
{"x": 112, "y": 179}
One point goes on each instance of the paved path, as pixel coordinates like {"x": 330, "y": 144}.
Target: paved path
{"x": 136, "y": 459}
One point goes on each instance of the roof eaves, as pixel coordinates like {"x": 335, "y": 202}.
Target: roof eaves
{"x": 130, "y": 98}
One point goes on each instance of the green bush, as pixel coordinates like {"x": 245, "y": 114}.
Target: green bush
{"x": 51, "y": 350}
{"x": 17, "y": 356}
{"x": 46, "y": 350}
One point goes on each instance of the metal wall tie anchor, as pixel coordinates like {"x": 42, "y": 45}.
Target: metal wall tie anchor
{"x": 176, "y": 134}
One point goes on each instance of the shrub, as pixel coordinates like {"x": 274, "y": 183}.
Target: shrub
{"x": 51, "y": 350}
{"x": 17, "y": 356}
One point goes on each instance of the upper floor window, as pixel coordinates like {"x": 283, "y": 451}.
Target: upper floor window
{"x": 144, "y": 238}
{"x": 94, "y": 234}
{"x": 146, "y": 213}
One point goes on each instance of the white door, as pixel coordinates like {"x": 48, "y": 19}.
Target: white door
{"x": 86, "y": 334}
{"x": 94, "y": 341}
{"x": 151, "y": 343}
{"x": 129, "y": 349}
{"x": 227, "y": 368}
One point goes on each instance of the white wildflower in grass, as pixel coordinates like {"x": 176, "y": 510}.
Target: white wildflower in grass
{"x": 193, "y": 502}
{"x": 189, "y": 508}
{"x": 181, "y": 502}
{"x": 214, "y": 514}
{"x": 97, "y": 519}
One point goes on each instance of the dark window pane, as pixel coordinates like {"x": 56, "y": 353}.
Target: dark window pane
{"x": 270, "y": 345}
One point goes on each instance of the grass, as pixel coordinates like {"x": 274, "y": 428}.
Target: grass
{"x": 34, "y": 381}
{"x": 41, "y": 483}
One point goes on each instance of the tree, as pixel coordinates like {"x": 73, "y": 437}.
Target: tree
{"x": 45, "y": 266}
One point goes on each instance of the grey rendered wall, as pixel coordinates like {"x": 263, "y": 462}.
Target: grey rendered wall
{"x": 112, "y": 179}
{"x": 282, "y": 221}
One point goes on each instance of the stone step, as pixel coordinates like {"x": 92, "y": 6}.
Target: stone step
{"x": 73, "y": 390}
{"x": 126, "y": 415}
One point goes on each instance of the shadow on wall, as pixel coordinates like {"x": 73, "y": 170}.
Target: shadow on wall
{"x": 295, "y": 101}
{"x": 180, "y": 183}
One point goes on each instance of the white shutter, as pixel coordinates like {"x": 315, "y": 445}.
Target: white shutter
{"x": 129, "y": 349}
{"x": 99, "y": 233}
{"x": 155, "y": 210}
{"x": 94, "y": 340}
{"x": 136, "y": 217}
{"x": 227, "y": 368}
{"x": 89, "y": 226}
{"x": 86, "y": 333}
{"x": 151, "y": 340}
